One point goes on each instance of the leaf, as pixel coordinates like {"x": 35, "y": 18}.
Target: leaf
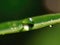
{"x": 38, "y": 22}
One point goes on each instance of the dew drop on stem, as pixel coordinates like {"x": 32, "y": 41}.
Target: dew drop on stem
{"x": 50, "y": 25}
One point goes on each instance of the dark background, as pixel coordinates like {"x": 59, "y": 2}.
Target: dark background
{"x": 19, "y": 9}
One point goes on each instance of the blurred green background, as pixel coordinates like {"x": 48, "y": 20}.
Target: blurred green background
{"x": 17, "y": 10}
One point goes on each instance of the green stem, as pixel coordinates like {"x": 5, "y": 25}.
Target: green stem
{"x": 38, "y": 22}
{"x": 44, "y": 24}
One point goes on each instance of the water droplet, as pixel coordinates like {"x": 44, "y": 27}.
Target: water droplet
{"x": 26, "y": 27}
{"x": 50, "y": 26}
{"x": 13, "y": 28}
{"x": 30, "y": 19}
{"x": 30, "y": 25}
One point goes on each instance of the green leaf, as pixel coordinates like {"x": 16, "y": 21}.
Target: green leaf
{"x": 38, "y": 22}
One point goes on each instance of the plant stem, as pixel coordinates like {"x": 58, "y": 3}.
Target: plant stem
{"x": 44, "y": 24}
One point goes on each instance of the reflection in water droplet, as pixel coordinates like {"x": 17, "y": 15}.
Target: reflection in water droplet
{"x": 30, "y": 19}
{"x": 13, "y": 28}
{"x": 50, "y": 26}
{"x": 26, "y": 27}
